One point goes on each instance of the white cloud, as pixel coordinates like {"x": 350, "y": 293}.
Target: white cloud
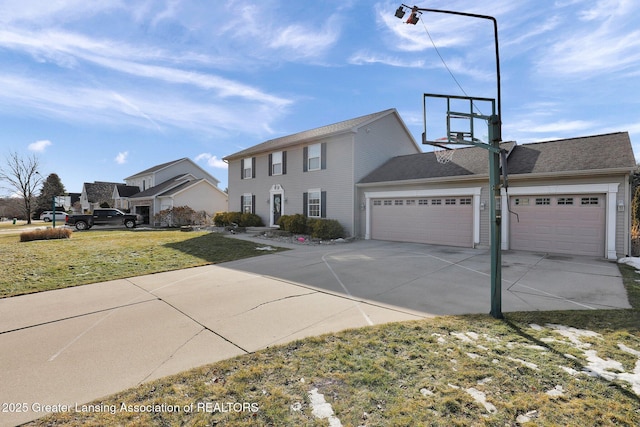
{"x": 39, "y": 146}
{"x": 212, "y": 161}
{"x": 121, "y": 158}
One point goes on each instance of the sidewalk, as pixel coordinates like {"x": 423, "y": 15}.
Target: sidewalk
{"x": 78, "y": 344}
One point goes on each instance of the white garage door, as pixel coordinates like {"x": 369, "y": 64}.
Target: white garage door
{"x": 436, "y": 220}
{"x": 572, "y": 224}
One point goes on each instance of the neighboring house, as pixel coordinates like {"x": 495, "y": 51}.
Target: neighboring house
{"x": 177, "y": 183}
{"x": 566, "y": 196}
{"x": 315, "y": 172}
{"x": 121, "y": 194}
{"x": 96, "y": 193}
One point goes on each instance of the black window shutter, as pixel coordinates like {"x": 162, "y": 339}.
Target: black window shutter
{"x": 323, "y": 155}
{"x": 284, "y": 163}
{"x": 305, "y": 200}
{"x": 241, "y": 203}
{"x": 270, "y": 164}
{"x": 305, "y": 158}
{"x": 253, "y": 167}
{"x": 253, "y": 204}
{"x": 242, "y": 169}
{"x": 323, "y": 204}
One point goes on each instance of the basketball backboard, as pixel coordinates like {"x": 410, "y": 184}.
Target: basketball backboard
{"x": 456, "y": 120}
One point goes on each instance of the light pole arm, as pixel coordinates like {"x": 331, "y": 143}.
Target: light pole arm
{"x": 495, "y": 35}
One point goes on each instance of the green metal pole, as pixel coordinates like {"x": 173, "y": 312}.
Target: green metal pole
{"x": 496, "y": 217}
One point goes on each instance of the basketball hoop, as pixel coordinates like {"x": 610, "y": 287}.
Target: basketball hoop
{"x": 443, "y": 154}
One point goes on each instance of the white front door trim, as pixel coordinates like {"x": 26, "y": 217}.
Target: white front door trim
{"x": 275, "y": 189}
{"x": 438, "y": 192}
{"x": 609, "y": 190}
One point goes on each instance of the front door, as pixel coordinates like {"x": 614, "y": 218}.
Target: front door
{"x": 277, "y": 208}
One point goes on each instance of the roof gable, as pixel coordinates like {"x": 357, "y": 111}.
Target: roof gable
{"x": 156, "y": 168}
{"x": 350, "y": 125}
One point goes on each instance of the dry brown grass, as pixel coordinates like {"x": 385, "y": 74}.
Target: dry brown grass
{"x": 46, "y": 234}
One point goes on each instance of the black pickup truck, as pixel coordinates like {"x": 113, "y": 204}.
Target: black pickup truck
{"x": 104, "y": 217}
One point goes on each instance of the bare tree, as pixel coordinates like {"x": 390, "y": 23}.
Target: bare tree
{"x": 22, "y": 176}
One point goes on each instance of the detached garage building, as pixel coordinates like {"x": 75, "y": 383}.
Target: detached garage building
{"x": 565, "y": 196}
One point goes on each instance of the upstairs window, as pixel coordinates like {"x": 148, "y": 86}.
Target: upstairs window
{"x": 248, "y": 167}
{"x": 315, "y": 157}
{"x": 278, "y": 163}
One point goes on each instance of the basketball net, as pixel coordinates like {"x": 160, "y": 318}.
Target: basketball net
{"x": 443, "y": 155}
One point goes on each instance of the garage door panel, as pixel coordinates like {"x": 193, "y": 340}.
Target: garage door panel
{"x": 567, "y": 224}
{"x": 423, "y": 221}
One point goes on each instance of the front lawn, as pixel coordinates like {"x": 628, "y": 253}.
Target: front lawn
{"x": 102, "y": 255}
{"x": 579, "y": 368}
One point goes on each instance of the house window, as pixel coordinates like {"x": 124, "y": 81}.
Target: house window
{"x": 277, "y": 163}
{"x": 397, "y": 202}
{"x": 540, "y": 201}
{"x": 565, "y": 200}
{"x": 436, "y": 201}
{"x": 247, "y": 203}
{"x": 589, "y": 201}
{"x": 248, "y": 168}
{"x": 522, "y": 202}
{"x": 465, "y": 201}
{"x": 313, "y": 204}
{"x": 313, "y": 157}
{"x": 449, "y": 201}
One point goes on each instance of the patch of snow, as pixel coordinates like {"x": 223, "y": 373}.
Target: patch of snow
{"x": 569, "y": 370}
{"x": 265, "y": 248}
{"x": 536, "y": 327}
{"x": 536, "y": 347}
{"x": 481, "y": 398}
{"x": 628, "y": 350}
{"x": 453, "y": 386}
{"x": 461, "y": 336}
{"x": 296, "y": 407}
{"x": 485, "y": 381}
{"x": 524, "y": 362}
{"x": 557, "y": 391}
{"x": 481, "y": 347}
{"x": 473, "y": 355}
{"x": 632, "y": 261}
{"x": 525, "y": 418}
{"x": 426, "y": 392}
{"x": 473, "y": 335}
{"x": 321, "y": 409}
{"x": 574, "y": 335}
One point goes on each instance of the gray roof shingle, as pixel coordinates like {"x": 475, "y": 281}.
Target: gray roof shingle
{"x": 590, "y": 153}
{"x": 308, "y": 135}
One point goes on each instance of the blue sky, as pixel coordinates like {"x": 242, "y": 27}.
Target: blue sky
{"x": 102, "y": 89}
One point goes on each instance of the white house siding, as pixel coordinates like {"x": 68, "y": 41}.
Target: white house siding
{"x": 199, "y": 197}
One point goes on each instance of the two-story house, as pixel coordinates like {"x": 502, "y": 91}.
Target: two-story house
{"x": 177, "y": 183}
{"x": 315, "y": 172}
{"x": 566, "y": 196}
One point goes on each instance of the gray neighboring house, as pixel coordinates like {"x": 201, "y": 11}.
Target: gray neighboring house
{"x": 566, "y": 196}
{"x": 96, "y": 193}
{"x": 315, "y": 172}
{"x": 177, "y": 183}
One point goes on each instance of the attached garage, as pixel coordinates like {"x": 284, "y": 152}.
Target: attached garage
{"x": 572, "y": 224}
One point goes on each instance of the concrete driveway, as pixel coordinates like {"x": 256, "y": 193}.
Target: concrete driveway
{"x": 445, "y": 280}
{"x": 79, "y": 344}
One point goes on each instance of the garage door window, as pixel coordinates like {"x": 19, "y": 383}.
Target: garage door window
{"x": 436, "y": 201}
{"x": 565, "y": 200}
{"x": 449, "y": 201}
{"x": 593, "y": 201}
{"x": 522, "y": 202}
{"x": 387, "y": 202}
{"x": 540, "y": 201}
{"x": 377, "y": 203}
{"x": 465, "y": 201}
{"x": 411, "y": 202}
{"x": 423, "y": 202}
{"x": 398, "y": 202}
